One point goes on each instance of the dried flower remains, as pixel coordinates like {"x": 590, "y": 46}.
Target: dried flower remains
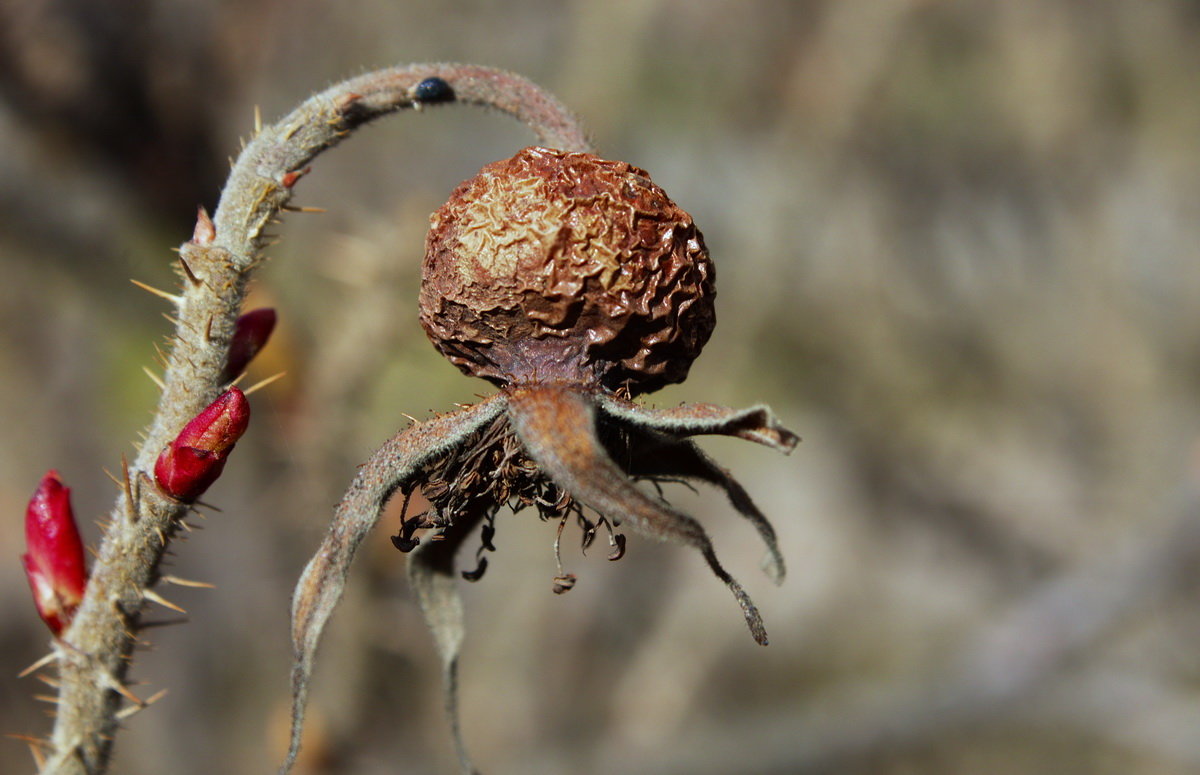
{"x": 573, "y": 284}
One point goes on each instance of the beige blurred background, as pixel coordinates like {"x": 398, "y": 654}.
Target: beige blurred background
{"x": 957, "y": 251}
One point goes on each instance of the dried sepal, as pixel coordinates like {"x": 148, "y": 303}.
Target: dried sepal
{"x": 54, "y": 559}
{"x": 324, "y": 578}
{"x": 757, "y": 424}
{"x": 431, "y": 574}
{"x": 658, "y": 455}
{"x": 558, "y": 428}
{"x": 196, "y": 457}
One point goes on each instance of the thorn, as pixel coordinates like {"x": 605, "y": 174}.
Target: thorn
{"x": 127, "y": 486}
{"x": 160, "y": 356}
{"x": 263, "y": 383}
{"x": 35, "y": 748}
{"x": 176, "y": 300}
{"x": 51, "y": 682}
{"x": 187, "y": 582}
{"x": 121, "y": 689}
{"x": 177, "y": 323}
{"x": 153, "y": 596}
{"x": 163, "y": 623}
{"x": 303, "y": 209}
{"x": 410, "y": 417}
{"x": 154, "y": 378}
{"x": 50, "y": 698}
{"x": 125, "y": 713}
{"x": 52, "y": 656}
{"x": 289, "y": 178}
{"x": 187, "y": 270}
{"x": 111, "y": 476}
{"x": 205, "y": 232}
{"x": 257, "y": 120}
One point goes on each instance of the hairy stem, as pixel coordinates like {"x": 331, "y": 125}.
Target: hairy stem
{"x": 94, "y": 654}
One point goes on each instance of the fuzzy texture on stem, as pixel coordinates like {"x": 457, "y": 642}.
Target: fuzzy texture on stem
{"x": 95, "y": 652}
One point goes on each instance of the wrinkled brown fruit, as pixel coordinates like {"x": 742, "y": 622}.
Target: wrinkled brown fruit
{"x": 564, "y": 267}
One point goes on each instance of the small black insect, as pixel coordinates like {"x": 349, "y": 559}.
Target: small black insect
{"x": 433, "y": 90}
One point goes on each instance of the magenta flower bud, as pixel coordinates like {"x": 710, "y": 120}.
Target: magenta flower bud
{"x": 54, "y": 562}
{"x": 250, "y": 334}
{"x": 194, "y": 460}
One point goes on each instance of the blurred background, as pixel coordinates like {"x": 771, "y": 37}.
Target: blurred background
{"x": 957, "y": 252}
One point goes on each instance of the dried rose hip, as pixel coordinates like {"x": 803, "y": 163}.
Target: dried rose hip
{"x": 564, "y": 267}
{"x": 572, "y": 283}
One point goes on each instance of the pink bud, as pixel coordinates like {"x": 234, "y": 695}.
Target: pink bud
{"x": 54, "y": 562}
{"x": 194, "y": 460}
{"x": 250, "y": 334}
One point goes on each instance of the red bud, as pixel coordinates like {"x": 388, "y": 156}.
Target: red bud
{"x": 250, "y": 334}
{"x": 194, "y": 460}
{"x": 54, "y": 562}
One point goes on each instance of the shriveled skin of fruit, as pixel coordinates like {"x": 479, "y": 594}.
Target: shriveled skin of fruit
{"x": 564, "y": 267}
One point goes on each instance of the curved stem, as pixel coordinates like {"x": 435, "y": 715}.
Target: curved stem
{"x": 94, "y": 653}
